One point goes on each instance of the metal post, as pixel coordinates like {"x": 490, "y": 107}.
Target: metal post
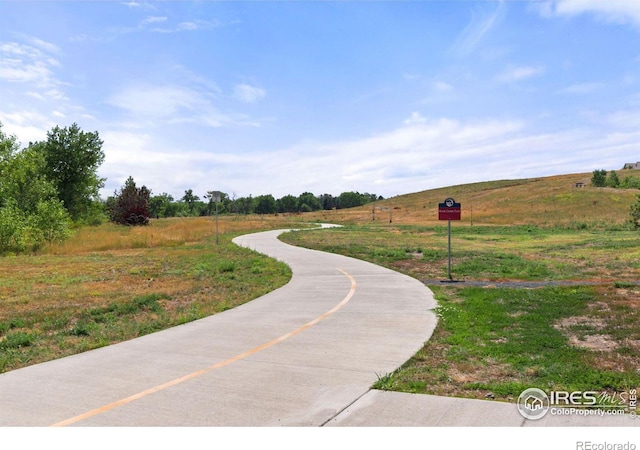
{"x": 217, "y": 241}
{"x": 450, "y": 277}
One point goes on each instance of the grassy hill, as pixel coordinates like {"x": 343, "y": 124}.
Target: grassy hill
{"x": 545, "y": 201}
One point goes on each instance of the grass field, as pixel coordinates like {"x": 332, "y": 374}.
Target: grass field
{"x": 112, "y": 283}
{"x": 496, "y": 341}
{"x": 547, "y": 201}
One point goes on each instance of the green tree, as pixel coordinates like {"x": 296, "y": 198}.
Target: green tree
{"x": 244, "y": 205}
{"x": 288, "y": 204}
{"x": 311, "y": 201}
{"x": 613, "y": 180}
{"x": 327, "y": 201}
{"x": 630, "y": 182}
{"x": 131, "y": 205}
{"x": 599, "y": 178}
{"x": 30, "y": 213}
{"x": 265, "y": 204}
{"x": 72, "y": 158}
{"x": 634, "y": 214}
{"x": 13, "y": 229}
{"x": 161, "y": 205}
{"x": 350, "y": 200}
{"x": 51, "y": 222}
{"x": 190, "y": 199}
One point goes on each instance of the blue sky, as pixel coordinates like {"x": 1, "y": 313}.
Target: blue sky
{"x": 283, "y": 97}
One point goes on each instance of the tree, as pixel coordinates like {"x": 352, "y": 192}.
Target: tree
{"x": 265, "y": 204}
{"x": 161, "y": 206}
{"x": 288, "y": 204}
{"x": 327, "y": 201}
{"x": 72, "y": 158}
{"x": 30, "y": 213}
{"x": 613, "y": 180}
{"x": 351, "y": 200}
{"x": 131, "y": 205}
{"x": 308, "y": 202}
{"x": 245, "y": 205}
{"x": 190, "y": 200}
{"x": 599, "y": 178}
{"x": 634, "y": 214}
{"x": 51, "y": 221}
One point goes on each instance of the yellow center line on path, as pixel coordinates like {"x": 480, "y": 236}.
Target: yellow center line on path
{"x": 226, "y": 362}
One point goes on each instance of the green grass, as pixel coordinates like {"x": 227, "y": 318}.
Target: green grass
{"x": 486, "y": 252}
{"x": 502, "y": 341}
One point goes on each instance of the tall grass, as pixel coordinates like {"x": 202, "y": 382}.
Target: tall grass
{"x": 111, "y": 283}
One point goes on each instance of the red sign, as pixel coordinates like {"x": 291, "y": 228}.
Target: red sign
{"x": 449, "y": 210}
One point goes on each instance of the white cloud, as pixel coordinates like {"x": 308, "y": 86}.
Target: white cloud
{"x": 520, "y": 73}
{"x": 612, "y": 11}
{"x": 28, "y": 126}
{"x": 479, "y": 26}
{"x": 248, "y": 94}
{"x": 582, "y": 88}
{"x": 168, "y": 104}
{"x": 143, "y": 5}
{"x": 416, "y": 118}
{"x": 442, "y": 87}
{"x": 422, "y": 153}
{"x": 154, "y": 19}
{"x": 32, "y": 65}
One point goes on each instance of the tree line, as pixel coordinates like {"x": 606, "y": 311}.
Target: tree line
{"x": 600, "y": 178}
{"x": 134, "y": 205}
{"x": 51, "y": 186}
{"x": 48, "y": 187}
{"x": 165, "y": 205}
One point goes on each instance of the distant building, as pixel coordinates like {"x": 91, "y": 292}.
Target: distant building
{"x": 579, "y": 184}
{"x": 632, "y": 165}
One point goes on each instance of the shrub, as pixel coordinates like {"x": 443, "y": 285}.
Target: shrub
{"x": 131, "y": 205}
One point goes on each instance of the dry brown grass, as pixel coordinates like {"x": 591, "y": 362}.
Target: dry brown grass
{"x": 164, "y": 233}
{"x": 545, "y": 201}
{"x": 82, "y": 294}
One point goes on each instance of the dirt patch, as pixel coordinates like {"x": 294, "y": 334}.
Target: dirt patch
{"x": 597, "y": 342}
{"x": 580, "y": 321}
{"x": 578, "y": 329}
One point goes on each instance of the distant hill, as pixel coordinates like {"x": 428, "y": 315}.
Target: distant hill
{"x": 545, "y": 201}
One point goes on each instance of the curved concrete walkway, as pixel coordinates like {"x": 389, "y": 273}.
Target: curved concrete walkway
{"x": 297, "y": 356}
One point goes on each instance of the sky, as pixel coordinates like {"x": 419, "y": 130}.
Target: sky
{"x": 285, "y": 97}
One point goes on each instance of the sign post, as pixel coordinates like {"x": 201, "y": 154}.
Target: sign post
{"x": 449, "y": 210}
{"x": 216, "y": 196}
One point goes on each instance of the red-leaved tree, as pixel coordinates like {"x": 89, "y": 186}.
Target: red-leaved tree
{"x": 131, "y": 205}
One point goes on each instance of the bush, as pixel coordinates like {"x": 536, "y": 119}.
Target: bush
{"x": 14, "y": 230}
{"x": 599, "y": 178}
{"x": 51, "y": 223}
{"x": 131, "y": 205}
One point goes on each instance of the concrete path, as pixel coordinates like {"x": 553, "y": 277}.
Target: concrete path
{"x": 297, "y": 356}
